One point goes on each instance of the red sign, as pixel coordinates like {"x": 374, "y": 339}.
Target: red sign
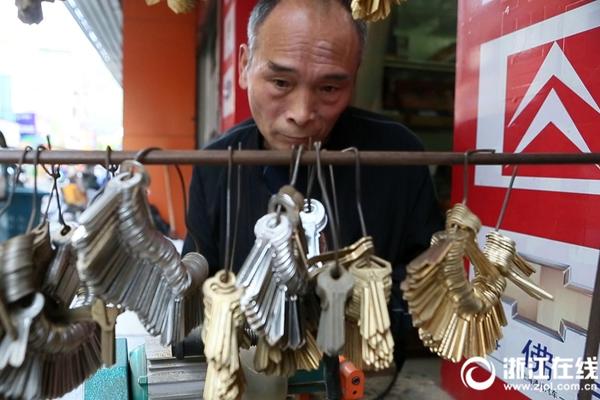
{"x": 234, "y": 101}
{"x": 528, "y": 81}
{"x": 551, "y": 106}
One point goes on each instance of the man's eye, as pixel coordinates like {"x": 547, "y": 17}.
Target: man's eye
{"x": 329, "y": 89}
{"x": 280, "y": 83}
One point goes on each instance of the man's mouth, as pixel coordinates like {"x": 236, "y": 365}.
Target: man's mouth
{"x": 295, "y": 139}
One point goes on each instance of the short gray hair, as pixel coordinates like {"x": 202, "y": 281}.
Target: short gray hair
{"x": 263, "y": 8}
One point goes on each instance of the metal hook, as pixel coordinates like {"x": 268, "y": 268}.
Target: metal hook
{"x": 357, "y": 188}
{"x": 310, "y": 172}
{"x": 237, "y": 210}
{"x": 185, "y": 208}
{"x": 296, "y": 165}
{"x": 141, "y": 155}
{"x": 111, "y": 167}
{"x": 291, "y": 166}
{"x": 3, "y": 141}
{"x": 36, "y": 161}
{"x": 15, "y": 180}
{"x": 468, "y": 154}
{"x": 506, "y": 197}
{"x": 228, "y": 216}
{"x": 334, "y": 195}
{"x": 334, "y": 227}
{"x": 55, "y": 174}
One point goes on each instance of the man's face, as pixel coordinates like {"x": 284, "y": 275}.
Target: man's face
{"x": 301, "y": 74}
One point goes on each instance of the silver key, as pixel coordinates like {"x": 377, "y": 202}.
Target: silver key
{"x": 333, "y": 294}
{"x": 314, "y": 221}
{"x": 12, "y": 352}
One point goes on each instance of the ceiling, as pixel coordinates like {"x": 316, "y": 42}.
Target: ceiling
{"x": 102, "y": 22}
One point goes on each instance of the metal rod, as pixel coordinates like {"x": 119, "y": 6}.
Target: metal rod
{"x": 592, "y": 340}
{"x": 279, "y": 157}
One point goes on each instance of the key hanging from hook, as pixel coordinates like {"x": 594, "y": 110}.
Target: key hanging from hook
{"x": 506, "y": 198}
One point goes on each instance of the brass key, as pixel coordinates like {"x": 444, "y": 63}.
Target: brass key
{"x": 106, "y": 317}
{"x": 223, "y": 320}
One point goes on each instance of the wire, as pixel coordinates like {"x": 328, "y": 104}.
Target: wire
{"x": 506, "y": 197}
{"x": 334, "y": 195}
{"x": 390, "y": 385}
{"x": 237, "y": 211}
{"x": 467, "y": 155}
{"x": 33, "y": 213}
{"x": 334, "y": 226}
{"x": 228, "y": 216}
{"x": 358, "y": 189}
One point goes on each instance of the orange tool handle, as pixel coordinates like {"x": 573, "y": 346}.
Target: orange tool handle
{"x": 352, "y": 380}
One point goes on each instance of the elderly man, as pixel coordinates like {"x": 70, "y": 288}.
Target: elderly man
{"x": 299, "y": 68}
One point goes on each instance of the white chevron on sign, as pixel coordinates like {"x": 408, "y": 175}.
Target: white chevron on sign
{"x": 579, "y": 29}
{"x": 556, "y": 64}
{"x": 553, "y": 111}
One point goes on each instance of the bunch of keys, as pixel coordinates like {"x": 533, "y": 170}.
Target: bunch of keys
{"x": 51, "y": 355}
{"x": 272, "y": 278}
{"x": 61, "y": 281}
{"x": 458, "y": 318}
{"x": 370, "y": 10}
{"x": 368, "y": 306}
{"x": 502, "y": 253}
{"x": 223, "y": 321}
{"x": 43, "y": 336}
{"x": 368, "y": 340}
{"x": 125, "y": 261}
{"x": 272, "y": 360}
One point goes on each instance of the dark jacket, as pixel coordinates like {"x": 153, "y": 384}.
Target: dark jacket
{"x": 399, "y": 204}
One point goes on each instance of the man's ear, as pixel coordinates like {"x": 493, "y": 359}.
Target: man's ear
{"x": 244, "y": 61}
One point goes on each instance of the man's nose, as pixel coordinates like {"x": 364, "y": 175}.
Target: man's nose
{"x": 301, "y": 110}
